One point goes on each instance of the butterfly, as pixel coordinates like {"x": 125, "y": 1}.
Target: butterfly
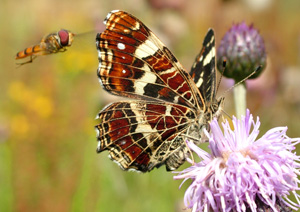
{"x": 170, "y": 104}
{"x": 51, "y": 43}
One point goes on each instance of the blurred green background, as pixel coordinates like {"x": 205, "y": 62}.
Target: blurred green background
{"x": 48, "y": 159}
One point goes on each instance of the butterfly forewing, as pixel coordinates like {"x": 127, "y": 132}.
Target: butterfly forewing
{"x": 135, "y": 63}
{"x": 203, "y": 70}
{"x": 170, "y": 108}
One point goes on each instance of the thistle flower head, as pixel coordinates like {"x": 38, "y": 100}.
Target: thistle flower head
{"x": 244, "y": 50}
{"x": 243, "y": 173}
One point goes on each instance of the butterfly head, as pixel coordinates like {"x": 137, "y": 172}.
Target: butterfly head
{"x": 213, "y": 110}
{"x": 216, "y": 108}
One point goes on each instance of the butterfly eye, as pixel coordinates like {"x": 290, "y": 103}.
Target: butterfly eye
{"x": 64, "y": 37}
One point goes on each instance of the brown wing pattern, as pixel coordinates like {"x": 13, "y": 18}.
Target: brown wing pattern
{"x": 150, "y": 131}
{"x": 134, "y": 63}
{"x": 142, "y": 135}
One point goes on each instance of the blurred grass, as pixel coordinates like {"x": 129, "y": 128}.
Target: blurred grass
{"x": 48, "y": 160}
{"x": 6, "y": 191}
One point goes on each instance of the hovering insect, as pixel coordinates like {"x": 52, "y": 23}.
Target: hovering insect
{"x": 51, "y": 43}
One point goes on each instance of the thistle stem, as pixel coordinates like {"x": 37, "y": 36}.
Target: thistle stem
{"x": 239, "y": 95}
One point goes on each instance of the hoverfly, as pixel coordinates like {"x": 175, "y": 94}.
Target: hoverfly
{"x": 51, "y": 43}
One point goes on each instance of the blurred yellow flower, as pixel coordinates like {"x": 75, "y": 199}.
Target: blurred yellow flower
{"x": 19, "y": 93}
{"x": 30, "y": 99}
{"x": 42, "y": 106}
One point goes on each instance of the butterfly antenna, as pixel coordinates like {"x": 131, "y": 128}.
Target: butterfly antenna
{"x": 224, "y": 112}
{"x": 243, "y": 80}
{"x": 222, "y": 73}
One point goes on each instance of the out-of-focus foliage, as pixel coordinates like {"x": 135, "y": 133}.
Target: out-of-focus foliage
{"x": 48, "y": 159}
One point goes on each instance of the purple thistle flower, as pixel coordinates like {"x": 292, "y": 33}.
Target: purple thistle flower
{"x": 243, "y": 172}
{"x": 243, "y": 48}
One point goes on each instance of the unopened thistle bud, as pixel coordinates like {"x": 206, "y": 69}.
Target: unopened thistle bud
{"x": 243, "y": 49}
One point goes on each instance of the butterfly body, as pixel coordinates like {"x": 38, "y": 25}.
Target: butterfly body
{"x": 171, "y": 105}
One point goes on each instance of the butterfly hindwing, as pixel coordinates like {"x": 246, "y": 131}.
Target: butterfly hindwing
{"x": 142, "y": 135}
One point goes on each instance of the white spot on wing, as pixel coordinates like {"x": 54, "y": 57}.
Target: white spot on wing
{"x": 168, "y": 110}
{"x": 176, "y": 98}
{"x": 200, "y": 81}
{"x": 121, "y": 46}
{"x": 137, "y": 26}
{"x": 123, "y": 142}
{"x": 208, "y": 58}
{"x": 200, "y": 59}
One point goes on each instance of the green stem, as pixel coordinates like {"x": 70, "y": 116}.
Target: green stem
{"x": 239, "y": 95}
